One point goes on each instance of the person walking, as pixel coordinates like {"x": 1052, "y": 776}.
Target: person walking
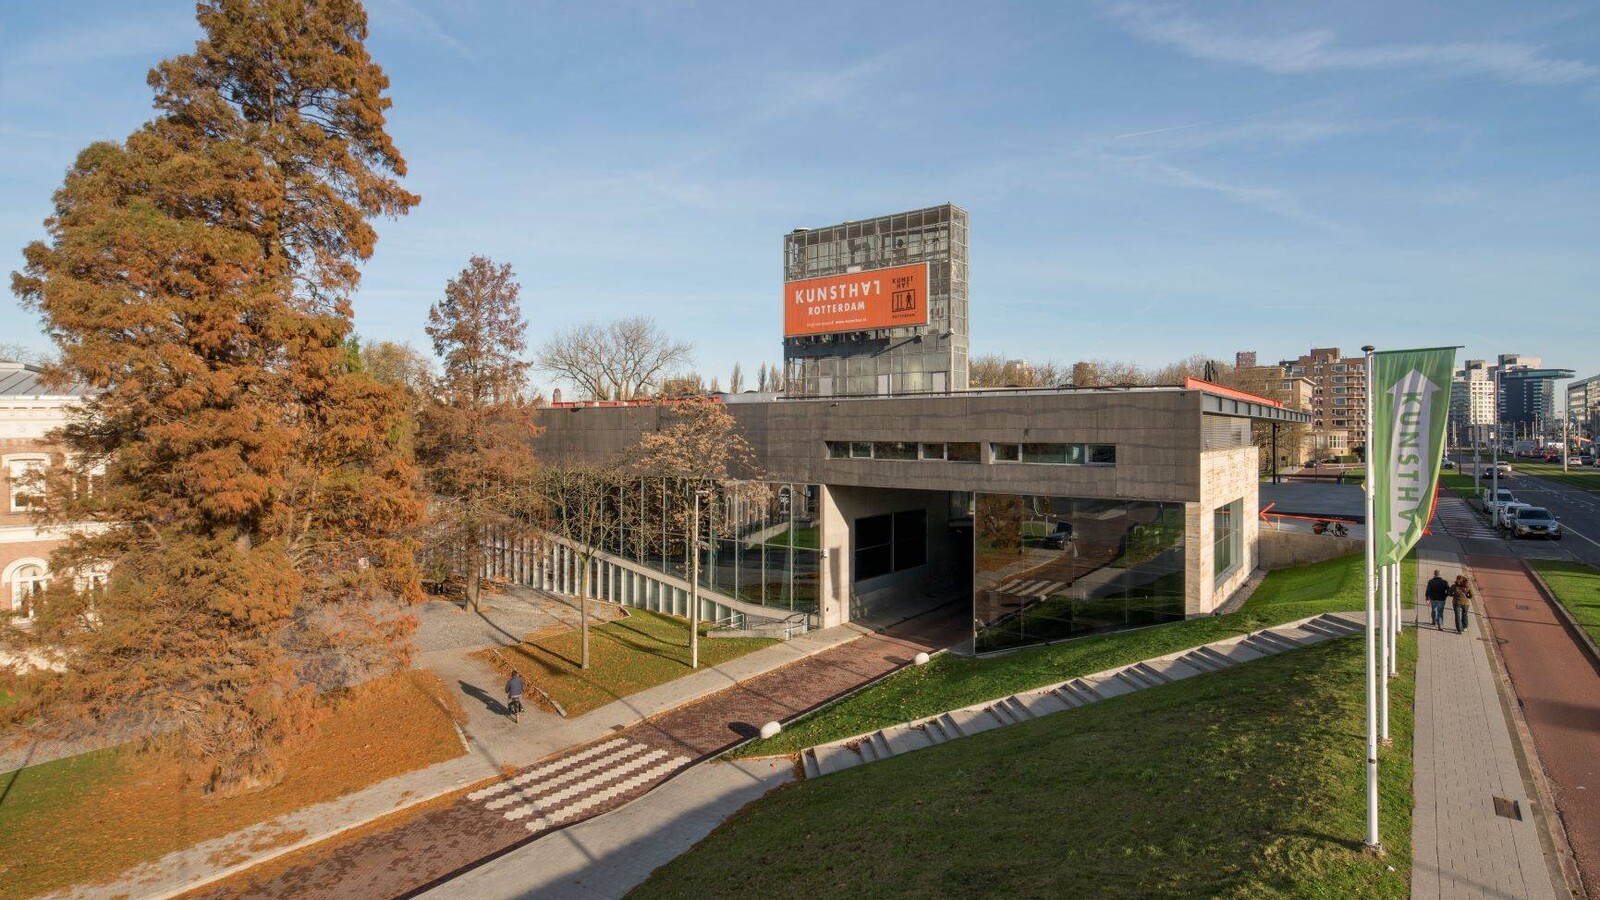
{"x": 1437, "y": 591}
{"x": 1460, "y": 594}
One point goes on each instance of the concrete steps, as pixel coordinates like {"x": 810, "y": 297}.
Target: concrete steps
{"x": 1026, "y": 706}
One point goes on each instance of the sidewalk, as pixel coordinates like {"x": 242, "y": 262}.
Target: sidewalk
{"x": 609, "y": 855}
{"x": 1465, "y": 759}
{"x": 585, "y": 781}
{"x": 493, "y": 751}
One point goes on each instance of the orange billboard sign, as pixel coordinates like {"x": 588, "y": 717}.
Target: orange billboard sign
{"x": 858, "y": 301}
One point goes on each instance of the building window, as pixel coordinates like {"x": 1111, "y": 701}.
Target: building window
{"x": 1339, "y": 368}
{"x": 18, "y": 470}
{"x": 28, "y": 579}
{"x": 958, "y": 451}
{"x": 1056, "y": 454}
{"x": 1227, "y": 539}
{"x": 890, "y": 543}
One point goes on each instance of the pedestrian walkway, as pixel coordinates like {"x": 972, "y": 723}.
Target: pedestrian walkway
{"x": 584, "y": 781}
{"x": 1461, "y": 520}
{"x": 607, "y": 856}
{"x": 1473, "y": 833}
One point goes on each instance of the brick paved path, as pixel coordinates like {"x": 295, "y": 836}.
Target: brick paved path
{"x": 1464, "y": 759}
{"x": 582, "y": 782}
{"x": 1560, "y": 691}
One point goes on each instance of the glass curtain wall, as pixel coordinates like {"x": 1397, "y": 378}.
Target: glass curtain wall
{"x": 758, "y": 540}
{"x": 1046, "y": 568}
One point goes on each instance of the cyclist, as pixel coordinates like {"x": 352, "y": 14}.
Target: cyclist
{"x": 514, "y": 688}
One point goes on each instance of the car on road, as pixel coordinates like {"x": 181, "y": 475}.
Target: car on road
{"x": 1492, "y": 502}
{"x": 1505, "y": 512}
{"x": 1448, "y": 463}
{"x": 1534, "y": 521}
{"x": 1585, "y": 460}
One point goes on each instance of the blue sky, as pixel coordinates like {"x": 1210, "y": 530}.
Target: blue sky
{"x": 1145, "y": 180}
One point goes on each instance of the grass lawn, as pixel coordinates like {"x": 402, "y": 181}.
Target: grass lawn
{"x": 625, "y": 657}
{"x": 1459, "y": 484}
{"x": 90, "y": 817}
{"x": 1584, "y": 479}
{"x": 949, "y": 681}
{"x": 804, "y": 539}
{"x": 1245, "y": 783}
{"x": 1577, "y": 586}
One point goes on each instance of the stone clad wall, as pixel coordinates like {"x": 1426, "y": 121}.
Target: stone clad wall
{"x": 1226, "y": 475}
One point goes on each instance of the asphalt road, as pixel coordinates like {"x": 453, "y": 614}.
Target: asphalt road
{"x": 1577, "y": 510}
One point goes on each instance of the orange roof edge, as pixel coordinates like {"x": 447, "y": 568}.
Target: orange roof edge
{"x": 1196, "y": 384}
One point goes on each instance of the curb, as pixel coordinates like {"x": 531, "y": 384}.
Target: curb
{"x": 1578, "y": 632}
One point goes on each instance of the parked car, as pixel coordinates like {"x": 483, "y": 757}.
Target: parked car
{"x": 1532, "y": 522}
{"x": 1492, "y": 502}
{"x": 1448, "y": 463}
{"x": 1058, "y": 539}
{"x": 1586, "y": 460}
{"x": 1505, "y": 512}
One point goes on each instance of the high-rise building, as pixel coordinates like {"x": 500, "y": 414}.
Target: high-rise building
{"x": 1583, "y": 407}
{"x": 1338, "y": 397}
{"x": 1245, "y": 359}
{"x": 877, "y": 307}
{"x": 1472, "y": 402}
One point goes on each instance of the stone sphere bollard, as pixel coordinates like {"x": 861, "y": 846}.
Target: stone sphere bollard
{"x": 920, "y": 658}
{"x": 770, "y": 730}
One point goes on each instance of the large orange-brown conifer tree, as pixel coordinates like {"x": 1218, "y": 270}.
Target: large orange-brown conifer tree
{"x": 255, "y": 496}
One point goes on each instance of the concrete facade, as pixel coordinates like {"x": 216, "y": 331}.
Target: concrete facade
{"x": 1188, "y": 446}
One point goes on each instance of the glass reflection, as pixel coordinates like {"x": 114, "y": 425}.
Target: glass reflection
{"x": 1050, "y": 567}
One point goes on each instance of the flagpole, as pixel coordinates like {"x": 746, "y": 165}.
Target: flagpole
{"x": 1385, "y": 639}
{"x": 1373, "y": 842}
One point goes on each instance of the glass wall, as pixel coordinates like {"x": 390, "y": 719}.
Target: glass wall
{"x": 758, "y": 540}
{"x": 1046, "y": 568}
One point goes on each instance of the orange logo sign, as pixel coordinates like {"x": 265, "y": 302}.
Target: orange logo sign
{"x": 859, "y": 301}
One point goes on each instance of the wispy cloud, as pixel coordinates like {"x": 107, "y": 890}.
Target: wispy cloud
{"x": 1274, "y": 201}
{"x": 107, "y": 40}
{"x": 405, "y": 17}
{"x": 1320, "y": 50}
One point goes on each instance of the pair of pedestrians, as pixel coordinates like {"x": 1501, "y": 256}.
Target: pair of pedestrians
{"x": 1458, "y": 593}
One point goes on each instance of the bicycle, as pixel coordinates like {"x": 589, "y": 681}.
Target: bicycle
{"x": 514, "y": 708}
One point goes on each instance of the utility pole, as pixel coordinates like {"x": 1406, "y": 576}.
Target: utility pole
{"x": 1373, "y": 840}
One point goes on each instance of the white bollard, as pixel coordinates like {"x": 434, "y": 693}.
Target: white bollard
{"x": 770, "y": 730}
{"x": 920, "y": 658}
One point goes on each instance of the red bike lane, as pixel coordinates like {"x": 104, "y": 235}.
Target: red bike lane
{"x": 1558, "y": 687}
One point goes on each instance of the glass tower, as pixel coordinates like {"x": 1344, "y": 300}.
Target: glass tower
{"x": 921, "y": 359}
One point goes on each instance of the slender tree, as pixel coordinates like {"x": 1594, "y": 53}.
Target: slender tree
{"x": 761, "y": 378}
{"x": 736, "y": 380}
{"x": 475, "y": 436}
{"x": 581, "y": 503}
{"x": 255, "y": 493}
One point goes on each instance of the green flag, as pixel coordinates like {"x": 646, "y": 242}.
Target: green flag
{"x": 1410, "y": 398}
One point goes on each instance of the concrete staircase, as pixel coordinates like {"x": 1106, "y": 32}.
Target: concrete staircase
{"x": 894, "y": 740}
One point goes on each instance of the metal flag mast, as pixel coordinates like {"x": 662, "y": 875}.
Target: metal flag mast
{"x": 1371, "y": 542}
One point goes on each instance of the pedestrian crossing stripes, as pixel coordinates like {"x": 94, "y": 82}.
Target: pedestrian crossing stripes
{"x": 542, "y": 771}
{"x": 564, "y": 789}
{"x": 1461, "y": 520}
{"x": 1035, "y": 588}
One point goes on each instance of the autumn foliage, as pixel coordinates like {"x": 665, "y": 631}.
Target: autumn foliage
{"x": 476, "y": 431}
{"x": 251, "y": 494}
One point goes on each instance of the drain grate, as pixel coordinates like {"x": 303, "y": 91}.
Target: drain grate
{"x": 1523, "y": 606}
{"x": 1509, "y": 809}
